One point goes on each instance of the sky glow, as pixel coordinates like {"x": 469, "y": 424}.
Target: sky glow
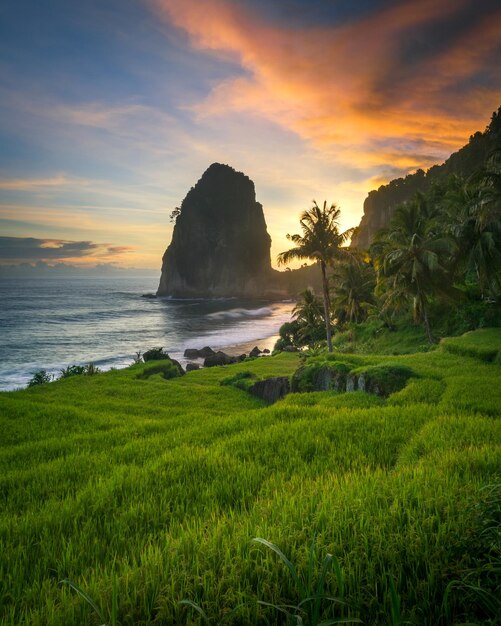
{"x": 111, "y": 110}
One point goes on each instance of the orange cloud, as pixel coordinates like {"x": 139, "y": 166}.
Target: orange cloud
{"x": 345, "y": 88}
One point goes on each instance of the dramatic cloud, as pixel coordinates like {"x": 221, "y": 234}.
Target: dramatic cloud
{"x": 31, "y": 250}
{"x": 390, "y": 87}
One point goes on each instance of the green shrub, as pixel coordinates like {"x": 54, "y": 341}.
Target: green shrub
{"x": 155, "y": 354}
{"x": 167, "y": 369}
{"x": 72, "y": 370}
{"x": 41, "y": 377}
{"x": 241, "y": 380}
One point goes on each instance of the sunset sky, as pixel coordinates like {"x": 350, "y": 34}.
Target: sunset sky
{"x": 110, "y": 110}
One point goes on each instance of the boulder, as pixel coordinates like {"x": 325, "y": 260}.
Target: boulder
{"x": 266, "y": 351}
{"x": 219, "y": 358}
{"x": 192, "y": 353}
{"x": 205, "y": 352}
{"x": 255, "y": 351}
{"x": 271, "y": 389}
{"x": 192, "y": 366}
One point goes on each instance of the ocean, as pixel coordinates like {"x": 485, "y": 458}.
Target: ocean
{"x": 50, "y": 323}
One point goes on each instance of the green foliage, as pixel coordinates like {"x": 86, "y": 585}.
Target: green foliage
{"x": 320, "y": 241}
{"x": 167, "y": 369}
{"x": 161, "y": 487}
{"x": 353, "y": 282}
{"x": 91, "y": 370}
{"x": 242, "y": 380}
{"x": 42, "y": 377}
{"x": 72, "y": 370}
{"x": 289, "y": 335}
{"x": 154, "y": 354}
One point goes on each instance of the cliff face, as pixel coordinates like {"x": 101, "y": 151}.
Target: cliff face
{"x": 220, "y": 245}
{"x": 380, "y": 204}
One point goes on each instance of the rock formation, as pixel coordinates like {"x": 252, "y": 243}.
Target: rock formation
{"x": 220, "y": 245}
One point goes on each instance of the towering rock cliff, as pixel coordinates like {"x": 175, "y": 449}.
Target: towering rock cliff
{"x": 220, "y": 245}
{"x": 380, "y": 204}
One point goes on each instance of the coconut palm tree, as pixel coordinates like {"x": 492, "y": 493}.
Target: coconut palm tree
{"x": 309, "y": 314}
{"x": 412, "y": 263}
{"x": 353, "y": 291}
{"x": 321, "y": 241}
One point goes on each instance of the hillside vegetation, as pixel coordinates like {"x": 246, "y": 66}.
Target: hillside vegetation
{"x": 146, "y": 491}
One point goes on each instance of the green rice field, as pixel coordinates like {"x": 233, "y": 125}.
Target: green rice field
{"x": 145, "y": 492}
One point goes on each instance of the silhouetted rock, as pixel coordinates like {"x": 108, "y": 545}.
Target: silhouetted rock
{"x": 205, "y": 352}
{"x": 220, "y": 245}
{"x": 271, "y": 389}
{"x": 191, "y": 353}
{"x": 266, "y": 351}
{"x": 219, "y": 358}
{"x": 255, "y": 351}
{"x": 192, "y": 366}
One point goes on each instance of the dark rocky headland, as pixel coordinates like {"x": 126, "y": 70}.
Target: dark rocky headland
{"x": 221, "y": 247}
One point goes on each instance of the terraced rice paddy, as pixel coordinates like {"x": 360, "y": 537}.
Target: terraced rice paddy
{"x": 156, "y": 488}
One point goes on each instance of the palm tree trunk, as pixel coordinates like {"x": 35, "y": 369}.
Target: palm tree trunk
{"x": 426, "y": 320}
{"x": 326, "y": 306}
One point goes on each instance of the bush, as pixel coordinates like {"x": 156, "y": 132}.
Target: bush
{"x": 72, "y": 370}
{"x": 167, "y": 369}
{"x": 155, "y": 354}
{"x": 243, "y": 380}
{"x": 41, "y": 377}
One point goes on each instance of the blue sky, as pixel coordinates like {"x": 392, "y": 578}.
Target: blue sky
{"x": 111, "y": 110}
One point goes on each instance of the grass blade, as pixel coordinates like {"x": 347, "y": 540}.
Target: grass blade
{"x": 196, "y": 607}
{"x": 283, "y": 558}
{"x": 83, "y": 595}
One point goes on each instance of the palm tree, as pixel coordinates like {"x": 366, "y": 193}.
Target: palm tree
{"x": 353, "y": 292}
{"x": 309, "y": 315}
{"x": 321, "y": 241}
{"x": 412, "y": 263}
{"x": 478, "y": 229}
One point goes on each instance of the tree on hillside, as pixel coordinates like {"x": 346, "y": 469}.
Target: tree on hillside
{"x": 321, "y": 241}
{"x": 411, "y": 262}
{"x": 309, "y": 314}
{"x": 353, "y": 290}
{"x": 478, "y": 230}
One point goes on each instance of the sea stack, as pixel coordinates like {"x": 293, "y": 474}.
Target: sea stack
{"x": 220, "y": 245}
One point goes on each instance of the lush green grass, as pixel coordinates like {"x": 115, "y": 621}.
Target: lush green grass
{"x": 159, "y": 486}
{"x": 483, "y": 344}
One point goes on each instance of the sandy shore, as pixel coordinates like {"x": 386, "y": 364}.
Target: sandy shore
{"x": 236, "y": 349}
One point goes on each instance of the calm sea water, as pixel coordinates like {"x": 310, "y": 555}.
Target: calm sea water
{"x": 51, "y": 323}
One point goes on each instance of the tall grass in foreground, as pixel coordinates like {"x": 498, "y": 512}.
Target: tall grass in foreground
{"x": 160, "y": 486}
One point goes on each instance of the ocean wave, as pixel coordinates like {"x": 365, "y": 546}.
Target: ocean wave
{"x": 234, "y": 314}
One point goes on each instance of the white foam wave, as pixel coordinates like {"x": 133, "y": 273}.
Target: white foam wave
{"x": 234, "y": 314}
